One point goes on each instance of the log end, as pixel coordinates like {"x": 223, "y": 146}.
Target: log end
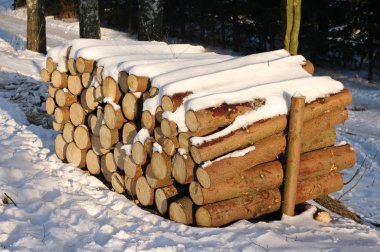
{"x": 196, "y": 195}
{"x": 118, "y": 183}
{"x": 82, "y": 137}
{"x": 123, "y": 81}
{"x": 179, "y": 169}
{"x": 181, "y": 211}
{"x": 148, "y": 120}
{"x": 167, "y": 104}
{"x": 168, "y": 128}
{"x": 145, "y": 194}
{"x": 92, "y": 162}
{"x": 161, "y": 201}
{"x": 50, "y": 105}
{"x": 133, "y": 83}
{"x": 138, "y": 153}
{"x": 45, "y": 75}
{"x": 130, "y": 168}
{"x": 196, "y": 155}
{"x": 203, "y": 177}
{"x": 60, "y": 147}
{"x": 159, "y": 165}
{"x": 130, "y": 185}
{"x": 202, "y": 217}
{"x": 57, "y": 126}
{"x": 191, "y": 121}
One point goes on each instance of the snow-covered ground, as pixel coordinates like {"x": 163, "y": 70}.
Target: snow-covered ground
{"x": 61, "y": 208}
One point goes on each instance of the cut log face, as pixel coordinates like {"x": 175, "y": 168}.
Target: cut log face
{"x": 91, "y": 122}
{"x": 108, "y": 166}
{"x": 155, "y": 182}
{"x": 75, "y": 155}
{"x": 129, "y": 132}
{"x": 139, "y": 153}
{"x": 266, "y": 150}
{"x": 50, "y": 105}
{"x": 148, "y": 120}
{"x": 246, "y": 207}
{"x": 45, "y": 75}
{"x": 58, "y": 79}
{"x": 82, "y": 137}
{"x": 131, "y": 106}
{"x": 161, "y": 165}
{"x": 171, "y": 103}
{"x": 118, "y": 182}
{"x": 60, "y": 147}
{"x": 77, "y": 114}
{"x": 131, "y": 169}
{"x": 51, "y": 66}
{"x": 158, "y": 135}
{"x": 170, "y": 145}
{"x": 169, "y": 128}
{"x": 89, "y": 99}
{"x": 72, "y": 66}
{"x": 62, "y": 115}
{"x": 93, "y": 162}
{"x": 52, "y": 90}
{"x": 68, "y": 132}
{"x": 57, "y": 126}
{"x": 145, "y": 194}
{"x": 183, "y": 169}
{"x": 181, "y": 211}
{"x": 97, "y": 147}
{"x": 111, "y": 89}
{"x": 64, "y": 98}
{"x": 108, "y": 137}
{"x": 86, "y": 79}
{"x": 159, "y": 114}
{"x": 113, "y": 118}
{"x": 138, "y": 83}
{"x": 84, "y": 66}
{"x": 162, "y": 197}
{"x": 75, "y": 84}
{"x": 130, "y": 186}
{"x": 99, "y": 74}
{"x": 123, "y": 81}
{"x": 153, "y": 92}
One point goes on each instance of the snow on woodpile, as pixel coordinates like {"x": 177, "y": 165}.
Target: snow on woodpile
{"x": 185, "y": 130}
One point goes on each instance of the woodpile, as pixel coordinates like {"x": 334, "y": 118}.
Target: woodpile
{"x": 182, "y": 148}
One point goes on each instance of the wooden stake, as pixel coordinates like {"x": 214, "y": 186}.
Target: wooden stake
{"x": 293, "y": 154}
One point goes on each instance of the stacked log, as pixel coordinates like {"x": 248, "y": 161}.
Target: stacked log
{"x": 123, "y": 129}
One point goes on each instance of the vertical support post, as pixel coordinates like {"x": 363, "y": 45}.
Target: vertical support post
{"x": 293, "y": 154}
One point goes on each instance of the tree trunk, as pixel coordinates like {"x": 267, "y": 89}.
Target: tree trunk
{"x": 36, "y": 27}
{"x": 89, "y": 24}
{"x": 293, "y": 23}
{"x": 150, "y": 20}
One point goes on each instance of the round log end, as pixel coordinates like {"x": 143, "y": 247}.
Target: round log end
{"x": 105, "y": 135}
{"x": 138, "y": 153}
{"x": 191, "y": 121}
{"x": 50, "y": 105}
{"x": 80, "y": 65}
{"x": 130, "y": 168}
{"x": 57, "y": 126}
{"x": 181, "y": 211}
{"x": 161, "y": 201}
{"x": 159, "y": 165}
{"x": 76, "y": 156}
{"x": 77, "y": 114}
{"x": 62, "y": 115}
{"x": 179, "y": 169}
{"x": 145, "y": 194}
{"x": 123, "y": 81}
{"x": 99, "y": 73}
{"x": 75, "y": 84}
{"x": 133, "y": 83}
{"x": 129, "y": 133}
{"x": 60, "y": 147}
{"x": 203, "y": 178}
{"x": 110, "y": 116}
{"x": 118, "y": 183}
{"x": 129, "y": 106}
{"x": 130, "y": 185}
{"x": 167, "y": 104}
{"x": 93, "y": 162}
{"x": 148, "y": 120}
{"x": 45, "y": 75}
{"x": 68, "y": 132}
{"x": 196, "y": 155}
{"x": 82, "y": 137}
{"x": 169, "y": 129}
{"x": 60, "y": 97}
{"x": 202, "y": 217}
{"x": 196, "y": 195}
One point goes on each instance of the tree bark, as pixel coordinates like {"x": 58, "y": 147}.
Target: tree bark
{"x": 36, "y": 27}
{"x": 150, "y": 20}
{"x": 89, "y": 24}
